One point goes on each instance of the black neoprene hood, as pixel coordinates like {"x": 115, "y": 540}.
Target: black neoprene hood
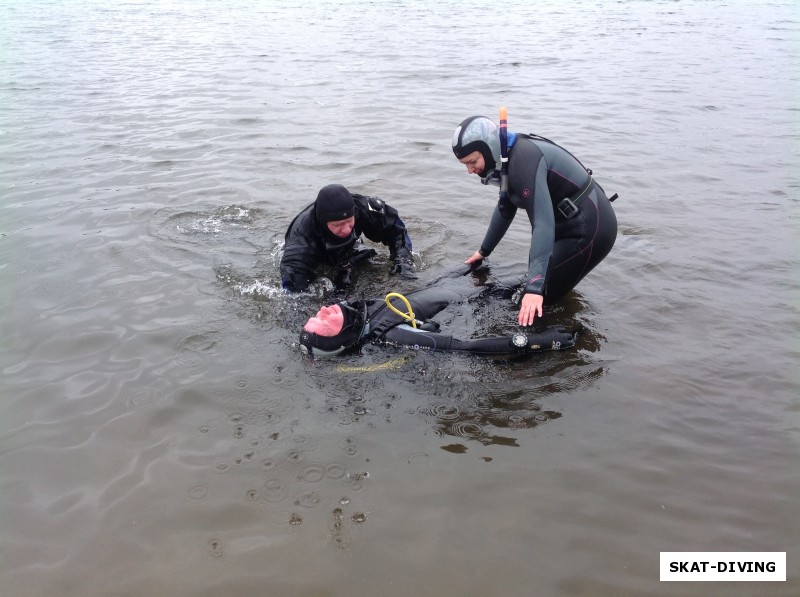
{"x": 318, "y": 346}
{"x": 334, "y": 202}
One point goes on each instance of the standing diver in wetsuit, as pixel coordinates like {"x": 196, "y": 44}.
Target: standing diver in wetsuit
{"x": 350, "y": 324}
{"x": 573, "y": 225}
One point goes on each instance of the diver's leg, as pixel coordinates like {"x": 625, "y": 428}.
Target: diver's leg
{"x": 581, "y": 243}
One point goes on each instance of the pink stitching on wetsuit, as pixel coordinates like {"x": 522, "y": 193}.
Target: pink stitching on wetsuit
{"x": 565, "y": 177}
{"x": 589, "y": 247}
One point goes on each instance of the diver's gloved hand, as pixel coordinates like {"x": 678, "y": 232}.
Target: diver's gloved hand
{"x": 342, "y": 280}
{"x": 361, "y": 256}
{"x": 404, "y": 265}
{"x": 554, "y": 337}
{"x": 404, "y": 269}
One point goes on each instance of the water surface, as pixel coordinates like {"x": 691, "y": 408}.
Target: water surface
{"x": 160, "y": 432}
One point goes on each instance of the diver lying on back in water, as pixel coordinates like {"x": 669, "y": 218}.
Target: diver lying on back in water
{"x": 350, "y": 324}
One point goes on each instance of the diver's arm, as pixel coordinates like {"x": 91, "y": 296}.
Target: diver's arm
{"x": 539, "y": 208}
{"x": 381, "y": 223}
{"x": 553, "y": 338}
{"x": 502, "y": 217}
{"x": 298, "y": 262}
{"x": 542, "y": 219}
{"x": 528, "y": 180}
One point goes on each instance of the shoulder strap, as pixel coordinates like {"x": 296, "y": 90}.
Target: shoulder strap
{"x": 546, "y": 140}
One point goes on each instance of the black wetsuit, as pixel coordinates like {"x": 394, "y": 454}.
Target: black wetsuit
{"x": 566, "y": 244}
{"x": 308, "y": 244}
{"x": 383, "y": 326}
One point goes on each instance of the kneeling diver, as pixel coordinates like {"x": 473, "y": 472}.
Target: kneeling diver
{"x": 350, "y": 324}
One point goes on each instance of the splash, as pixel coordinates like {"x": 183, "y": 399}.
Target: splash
{"x": 258, "y": 289}
{"x": 232, "y": 216}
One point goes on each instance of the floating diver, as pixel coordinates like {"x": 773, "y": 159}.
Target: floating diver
{"x": 350, "y": 324}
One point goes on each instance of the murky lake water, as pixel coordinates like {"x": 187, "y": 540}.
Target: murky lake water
{"x": 160, "y": 433}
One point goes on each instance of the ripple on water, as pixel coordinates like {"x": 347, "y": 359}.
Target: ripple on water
{"x": 119, "y": 214}
{"x": 349, "y": 445}
{"x": 223, "y": 221}
{"x": 77, "y": 346}
{"x": 280, "y": 517}
{"x": 66, "y": 503}
{"x": 221, "y": 467}
{"x": 517, "y": 421}
{"x": 268, "y": 463}
{"x": 245, "y": 458}
{"x": 214, "y": 547}
{"x": 335, "y": 470}
{"x": 313, "y": 473}
{"x": 253, "y": 408}
{"x": 309, "y": 499}
{"x": 275, "y": 489}
{"x": 418, "y": 458}
{"x": 196, "y": 350}
{"x": 444, "y": 412}
{"x": 295, "y": 455}
{"x": 467, "y": 430}
{"x": 356, "y": 480}
{"x": 305, "y": 442}
{"x": 340, "y": 539}
{"x": 143, "y": 398}
{"x": 198, "y": 492}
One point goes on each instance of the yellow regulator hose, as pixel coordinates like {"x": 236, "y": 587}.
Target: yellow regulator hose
{"x": 408, "y": 315}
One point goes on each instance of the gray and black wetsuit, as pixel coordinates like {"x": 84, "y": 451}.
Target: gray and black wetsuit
{"x": 566, "y": 244}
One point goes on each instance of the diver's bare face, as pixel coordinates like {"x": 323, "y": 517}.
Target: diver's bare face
{"x": 342, "y": 228}
{"x": 328, "y": 321}
{"x": 474, "y": 162}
